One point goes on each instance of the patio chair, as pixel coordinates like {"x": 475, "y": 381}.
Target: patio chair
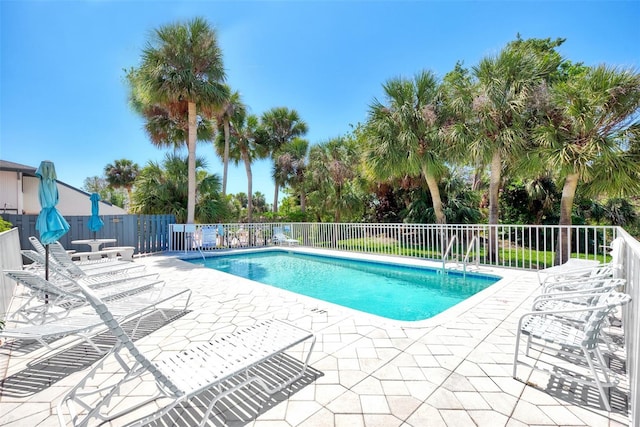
{"x": 99, "y": 277}
{"x": 550, "y": 332}
{"x": 222, "y": 365}
{"x": 279, "y": 238}
{"x": 596, "y": 276}
{"x": 59, "y": 255}
{"x": 209, "y": 237}
{"x": 48, "y": 299}
{"x": 79, "y": 322}
{"x": 578, "y": 268}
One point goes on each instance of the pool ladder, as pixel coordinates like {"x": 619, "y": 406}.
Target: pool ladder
{"x": 473, "y": 244}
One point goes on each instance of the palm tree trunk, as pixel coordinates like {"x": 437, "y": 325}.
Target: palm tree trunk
{"x": 432, "y": 183}
{"x": 247, "y": 167}
{"x": 494, "y": 192}
{"x": 225, "y": 160}
{"x": 275, "y": 199}
{"x": 563, "y": 247}
{"x": 128, "y": 199}
{"x": 477, "y": 178}
{"x": 303, "y": 201}
{"x": 191, "y": 201}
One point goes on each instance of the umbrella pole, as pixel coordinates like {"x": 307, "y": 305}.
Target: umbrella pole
{"x": 46, "y": 270}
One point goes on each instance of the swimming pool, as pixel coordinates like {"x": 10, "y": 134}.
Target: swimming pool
{"x": 393, "y": 291}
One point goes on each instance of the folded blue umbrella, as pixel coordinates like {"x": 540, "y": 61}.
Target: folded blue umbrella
{"x": 50, "y": 223}
{"x": 95, "y": 222}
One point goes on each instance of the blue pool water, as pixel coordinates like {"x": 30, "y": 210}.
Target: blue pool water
{"x": 392, "y": 291}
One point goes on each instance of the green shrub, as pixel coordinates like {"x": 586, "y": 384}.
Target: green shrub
{"x": 5, "y": 225}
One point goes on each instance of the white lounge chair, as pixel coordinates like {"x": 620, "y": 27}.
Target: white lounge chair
{"x": 577, "y": 268}
{"x": 98, "y": 277}
{"x": 279, "y": 238}
{"x": 550, "y": 332}
{"x": 181, "y": 376}
{"x": 571, "y": 283}
{"x": 73, "y": 320}
{"x": 49, "y": 299}
{"x": 57, "y": 254}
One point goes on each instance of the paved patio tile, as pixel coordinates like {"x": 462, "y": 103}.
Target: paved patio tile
{"x": 374, "y": 404}
{"x": 471, "y": 400}
{"x": 488, "y": 418}
{"x": 457, "y": 418}
{"x": 346, "y": 403}
{"x": 452, "y": 371}
{"x": 530, "y": 414}
{"x": 426, "y": 415}
{"x": 376, "y": 420}
{"x": 349, "y": 420}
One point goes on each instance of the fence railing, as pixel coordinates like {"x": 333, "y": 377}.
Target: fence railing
{"x": 515, "y": 246}
{"x": 146, "y": 233}
{"x": 631, "y": 321}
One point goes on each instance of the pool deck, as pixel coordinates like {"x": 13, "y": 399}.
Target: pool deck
{"x": 452, "y": 370}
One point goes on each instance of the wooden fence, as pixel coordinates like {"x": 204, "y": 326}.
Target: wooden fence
{"x": 146, "y": 233}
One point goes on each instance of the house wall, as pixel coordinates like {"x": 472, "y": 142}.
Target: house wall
{"x": 30, "y": 195}
{"x": 10, "y": 192}
{"x": 21, "y": 196}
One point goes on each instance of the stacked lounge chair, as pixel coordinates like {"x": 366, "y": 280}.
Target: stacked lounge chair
{"x": 566, "y": 322}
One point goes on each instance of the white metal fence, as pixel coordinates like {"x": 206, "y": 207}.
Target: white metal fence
{"x": 631, "y": 321}
{"x": 516, "y": 246}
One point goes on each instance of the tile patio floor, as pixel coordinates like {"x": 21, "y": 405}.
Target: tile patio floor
{"x": 453, "y": 370}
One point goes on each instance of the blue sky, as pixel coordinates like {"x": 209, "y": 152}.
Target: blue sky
{"x": 62, "y": 95}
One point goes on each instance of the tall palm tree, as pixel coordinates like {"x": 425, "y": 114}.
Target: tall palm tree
{"x": 163, "y": 188}
{"x": 280, "y": 126}
{"x": 230, "y": 107}
{"x": 122, "y": 174}
{"x": 404, "y": 137}
{"x": 182, "y": 69}
{"x": 332, "y": 167}
{"x": 498, "y": 129}
{"x": 243, "y": 147}
{"x": 293, "y": 163}
{"x": 593, "y": 117}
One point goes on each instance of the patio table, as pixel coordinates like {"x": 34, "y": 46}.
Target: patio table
{"x": 93, "y": 243}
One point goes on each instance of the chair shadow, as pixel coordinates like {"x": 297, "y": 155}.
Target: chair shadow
{"x": 46, "y": 372}
{"x": 573, "y": 392}
{"x": 244, "y": 405}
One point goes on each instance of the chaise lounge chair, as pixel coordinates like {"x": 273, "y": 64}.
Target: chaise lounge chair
{"x": 72, "y": 319}
{"x": 279, "y": 238}
{"x": 99, "y": 278}
{"x": 223, "y": 365}
{"x": 578, "y": 268}
{"x": 58, "y": 255}
{"x": 555, "y": 335}
{"x": 48, "y": 299}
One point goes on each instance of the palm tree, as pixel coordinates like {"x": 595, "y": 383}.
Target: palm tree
{"x": 497, "y": 128}
{"x": 122, "y": 174}
{"x": 243, "y": 147}
{"x": 280, "y": 126}
{"x": 163, "y": 188}
{"x": 593, "y": 117}
{"x": 332, "y": 172}
{"x": 230, "y": 107}
{"x": 292, "y": 163}
{"x": 182, "y": 70}
{"x": 404, "y": 136}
